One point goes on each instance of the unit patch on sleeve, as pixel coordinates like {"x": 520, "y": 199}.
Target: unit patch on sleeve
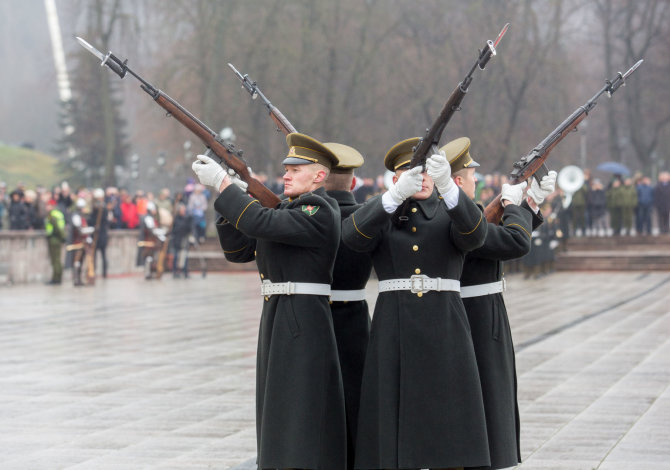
{"x": 309, "y": 209}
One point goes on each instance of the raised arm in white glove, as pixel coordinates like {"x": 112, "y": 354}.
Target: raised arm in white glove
{"x": 513, "y": 193}
{"x": 408, "y": 184}
{"x": 237, "y": 181}
{"x": 537, "y": 192}
{"x": 439, "y": 169}
{"x": 209, "y": 172}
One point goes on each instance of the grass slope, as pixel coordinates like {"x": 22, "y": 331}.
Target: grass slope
{"x": 30, "y": 167}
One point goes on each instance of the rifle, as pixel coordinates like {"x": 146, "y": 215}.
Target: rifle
{"x": 226, "y": 152}
{"x": 430, "y": 142}
{"x": 533, "y": 162}
{"x": 283, "y": 124}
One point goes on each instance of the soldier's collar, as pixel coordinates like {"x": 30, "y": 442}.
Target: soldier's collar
{"x": 429, "y": 206}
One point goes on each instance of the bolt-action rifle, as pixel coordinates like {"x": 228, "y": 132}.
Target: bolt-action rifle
{"x": 532, "y": 164}
{"x": 430, "y": 142}
{"x": 226, "y": 152}
{"x": 283, "y": 124}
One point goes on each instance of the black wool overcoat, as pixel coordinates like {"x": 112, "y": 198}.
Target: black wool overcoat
{"x": 421, "y": 402}
{"x": 351, "y": 320}
{"x": 491, "y": 332}
{"x": 300, "y": 416}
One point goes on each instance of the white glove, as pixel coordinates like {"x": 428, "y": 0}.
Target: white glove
{"x": 408, "y": 184}
{"x": 513, "y": 192}
{"x": 439, "y": 169}
{"x": 208, "y": 171}
{"x": 237, "y": 181}
{"x": 538, "y": 192}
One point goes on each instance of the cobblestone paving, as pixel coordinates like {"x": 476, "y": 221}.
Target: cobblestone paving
{"x": 134, "y": 374}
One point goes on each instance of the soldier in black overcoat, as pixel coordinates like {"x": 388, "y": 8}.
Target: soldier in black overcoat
{"x": 421, "y": 402}
{"x": 482, "y": 285}
{"x": 300, "y": 415}
{"x": 348, "y": 304}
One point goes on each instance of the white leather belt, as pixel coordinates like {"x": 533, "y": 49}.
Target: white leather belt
{"x": 483, "y": 289}
{"x": 347, "y": 295}
{"x": 420, "y": 283}
{"x": 291, "y": 288}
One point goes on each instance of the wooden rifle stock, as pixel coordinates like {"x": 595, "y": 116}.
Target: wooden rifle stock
{"x": 232, "y": 158}
{"x": 529, "y": 165}
{"x": 432, "y": 138}
{"x": 266, "y": 197}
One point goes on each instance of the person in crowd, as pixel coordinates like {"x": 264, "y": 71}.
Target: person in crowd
{"x": 197, "y": 205}
{"x": 99, "y": 218}
{"x": 645, "y": 205}
{"x": 597, "y": 208}
{"x": 129, "y": 216}
{"x": 662, "y": 201}
{"x": 628, "y": 205}
{"x": 152, "y": 238}
{"x": 18, "y": 213}
{"x": 4, "y": 203}
{"x": 54, "y": 227}
{"x": 80, "y": 241}
{"x": 614, "y": 197}
{"x": 181, "y": 237}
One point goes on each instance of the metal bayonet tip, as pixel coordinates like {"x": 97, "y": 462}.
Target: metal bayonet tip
{"x": 502, "y": 33}
{"x": 91, "y": 49}
{"x": 633, "y": 68}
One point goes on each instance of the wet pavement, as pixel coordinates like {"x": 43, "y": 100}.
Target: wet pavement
{"x": 134, "y": 374}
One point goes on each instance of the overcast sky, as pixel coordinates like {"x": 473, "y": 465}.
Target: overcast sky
{"x": 28, "y": 93}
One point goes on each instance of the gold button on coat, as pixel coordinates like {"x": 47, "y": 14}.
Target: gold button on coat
{"x": 414, "y": 209}
{"x": 413, "y": 229}
{"x": 419, "y": 294}
{"x": 417, "y": 271}
{"x": 262, "y": 277}
{"x": 415, "y": 248}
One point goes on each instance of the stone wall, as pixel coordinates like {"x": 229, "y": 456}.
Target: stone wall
{"x": 24, "y": 256}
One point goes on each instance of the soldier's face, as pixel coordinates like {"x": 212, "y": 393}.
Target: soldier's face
{"x": 299, "y": 179}
{"x": 467, "y": 180}
{"x": 427, "y": 185}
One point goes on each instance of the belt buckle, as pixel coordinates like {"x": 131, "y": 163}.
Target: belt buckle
{"x": 265, "y": 286}
{"x": 290, "y": 288}
{"x": 417, "y": 283}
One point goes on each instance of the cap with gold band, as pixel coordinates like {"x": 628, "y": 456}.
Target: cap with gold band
{"x": 399, "y": 156}
{"x": 349, "y": 158}
{"x": 458, "y": 153}
{"x": 304, "y": 150}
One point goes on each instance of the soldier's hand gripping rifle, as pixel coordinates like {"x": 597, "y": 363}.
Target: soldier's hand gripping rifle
{"x": 226, "y": 152}
{"x": 430, "y": 142}
{"x": 283, "y": 124}
{"x": 533, "y": 163}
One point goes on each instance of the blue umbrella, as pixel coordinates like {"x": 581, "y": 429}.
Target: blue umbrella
{"x": 614, "y": 167}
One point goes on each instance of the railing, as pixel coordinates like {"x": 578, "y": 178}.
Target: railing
{"x": 24, "y": 256}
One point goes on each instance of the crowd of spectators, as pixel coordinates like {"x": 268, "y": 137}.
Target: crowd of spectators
{"x": 620, "y": 206}
{"x": 25, "y": 208}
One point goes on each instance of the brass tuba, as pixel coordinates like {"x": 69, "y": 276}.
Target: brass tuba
{"x": 570, "y": 179}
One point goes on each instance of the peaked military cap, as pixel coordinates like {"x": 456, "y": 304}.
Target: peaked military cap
{"x": 349, "y": 158}
{"x": 399, "y": 156}
{"x": 458, "y": 153}
{"x": 303, "y": 150}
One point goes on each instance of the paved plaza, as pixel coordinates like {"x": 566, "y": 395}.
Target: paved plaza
{"x": 135, "y": 374}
